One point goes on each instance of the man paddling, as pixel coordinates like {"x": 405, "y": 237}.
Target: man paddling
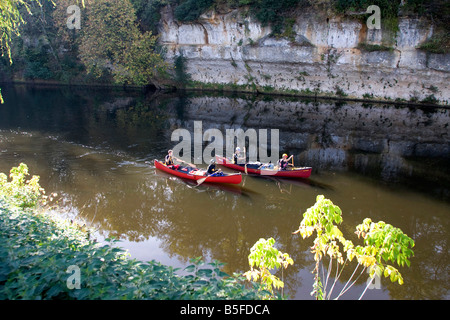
{"x": 212, "y": 170}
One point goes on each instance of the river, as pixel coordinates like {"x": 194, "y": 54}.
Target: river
{"x": 93, "y": 146}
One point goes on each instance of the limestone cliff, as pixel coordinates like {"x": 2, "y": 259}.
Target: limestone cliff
{"x": 327, "y": 55}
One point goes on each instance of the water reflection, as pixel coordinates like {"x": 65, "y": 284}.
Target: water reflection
{"x": 92, "y": 148}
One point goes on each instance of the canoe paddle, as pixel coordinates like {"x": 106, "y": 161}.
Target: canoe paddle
{"x": 245, "y": 159}
{"x": 200, "y": 181}
{"x": 189, "y": 164}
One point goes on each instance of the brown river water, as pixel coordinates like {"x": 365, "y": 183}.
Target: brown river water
{"x": 385, "y": 162}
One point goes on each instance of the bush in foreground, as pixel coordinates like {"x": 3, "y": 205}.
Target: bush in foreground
{"x": 38, "y": 250}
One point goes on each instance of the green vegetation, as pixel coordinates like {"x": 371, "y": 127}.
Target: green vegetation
{"x": 373, "y": 47}
{"x": 20, "y": 192}
{"x": 190, "y": 10}
{"x": 181, "y": 75}
{"x": 430, "y": 99}
{"x": 109, "y": 48}
{"x": 438, "y": 43}
{"x": 148, "y": 13}
{"x": 37, "y": 249}
{"x": 383, "y": 244}
{"x": 11, "y": 20}
{"x": 263, "y": 258}
{"x": 112, "y": 44}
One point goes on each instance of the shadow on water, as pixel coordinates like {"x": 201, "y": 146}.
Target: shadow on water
{"x": 207, "y": 186}
{"x": 383, "y": 162}
{"x": 305, "y": 183}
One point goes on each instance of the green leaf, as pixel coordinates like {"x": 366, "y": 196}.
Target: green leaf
{"x": 190, "y": 268}
{"x": 205, "y": 273}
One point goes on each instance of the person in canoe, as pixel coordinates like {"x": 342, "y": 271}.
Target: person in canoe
{"x": 212, "y": 170}
{"x": 236, "y": 157}
{"x": 169, "y": 160}
{"x": 283, "y": 163}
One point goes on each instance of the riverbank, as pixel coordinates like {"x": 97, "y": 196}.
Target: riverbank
{"x": 197, "y": 86}
{"x": 43, "y": 256}
{"x": 56, "y": 84}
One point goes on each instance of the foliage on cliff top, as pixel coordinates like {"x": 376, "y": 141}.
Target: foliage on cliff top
{"x": 438, "y": 11}
{"x": 274, "y": 13}
{"x": 268, "y": 12}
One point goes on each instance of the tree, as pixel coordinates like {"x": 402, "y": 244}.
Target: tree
{"x": 10, "y": 22}
{"x": 148, "y": 13}
{"x": 142, "y": 62}
{"x": 383, "y": 244}
{"x": 111, "y": 44}
{"x": 263, "y": 258}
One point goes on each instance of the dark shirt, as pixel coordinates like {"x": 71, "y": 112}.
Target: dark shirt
{"x": 169, "y": 160}
{"x": 283, "y": 164}
{"x": 211, "y": 169}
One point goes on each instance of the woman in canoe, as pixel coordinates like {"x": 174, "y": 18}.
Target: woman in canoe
{"x": 283, "y": 163}
{"x": 168, "y": 160}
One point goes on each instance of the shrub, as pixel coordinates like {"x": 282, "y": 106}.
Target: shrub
{"x": 373, "y": 47}
{"x": 263, "y": 258}
{"x": 20, "y": 192}
{"x": 37, "y": 251}
{"x": 181, "y": 74}
{"x": 382, "y": 244}
{"x": 438, "y": 43}
{"x": 190, "y": 10}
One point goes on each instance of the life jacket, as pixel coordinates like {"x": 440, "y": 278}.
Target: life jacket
{"x": 283, "y": 164}
{"x": 168, "y": 160}
{"x": 211, "y": 169}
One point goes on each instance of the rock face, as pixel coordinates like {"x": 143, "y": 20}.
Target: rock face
{"x": 330, "y": 55}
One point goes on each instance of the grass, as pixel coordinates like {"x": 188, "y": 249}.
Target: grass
{"x": 438, "y": 43}
{"x": 373, "y": 47}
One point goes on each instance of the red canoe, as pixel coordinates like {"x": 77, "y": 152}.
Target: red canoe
{"x": 184, "y": 172}
{"x": 303, "y": 172}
